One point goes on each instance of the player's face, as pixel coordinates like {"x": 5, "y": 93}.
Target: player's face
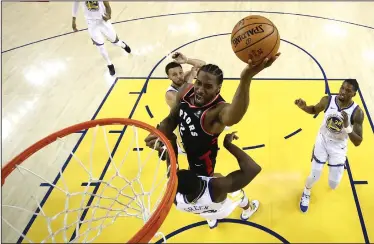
{"x": 346, "y": 92}
{"x": 176, "y": 75}
{"x": 206, "y": 88}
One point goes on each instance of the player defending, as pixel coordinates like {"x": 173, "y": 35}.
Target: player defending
{"x": 343, "y": 119}
{"x": 215, "y": 198}
{"x": 178, "y": 77}
{"x": 98, "y": 15}
{"x": 202, "y": 114}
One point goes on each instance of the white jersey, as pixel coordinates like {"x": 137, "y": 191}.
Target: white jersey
{"x": 93, "y": 10}
{"x": 205, "y": 207}
{"x": 333, "y": 126}
{"x": 171, "y": 88}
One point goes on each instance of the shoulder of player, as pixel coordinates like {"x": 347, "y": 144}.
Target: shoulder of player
{"x": 170, "y": 94}
{"x": 218, "y": 188}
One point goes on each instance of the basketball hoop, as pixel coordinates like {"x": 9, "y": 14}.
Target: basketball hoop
{"x": 150, "y": 201}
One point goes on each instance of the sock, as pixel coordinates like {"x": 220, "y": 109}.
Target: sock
{"x": 120, "y": 43}
{"x": 104, "y": 53}
{"x": 306, "y": 191}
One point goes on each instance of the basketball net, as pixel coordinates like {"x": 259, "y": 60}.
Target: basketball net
{"x": 129, "y": 193}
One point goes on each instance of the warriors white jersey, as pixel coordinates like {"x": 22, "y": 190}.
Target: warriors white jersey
{"x": 171, "y": 88}
{"x": 93, "y": 9}
{"x": 205, "y": 207}
{"x": 333, "y": 126}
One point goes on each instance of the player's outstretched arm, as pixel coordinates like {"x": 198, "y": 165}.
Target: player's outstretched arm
{"x": 355, "y": 132}
{"x": 182, "y": 59}
{"x": 313, "y": 109}
{"x": 232, "y": 113}
{"x": 238, "y": 179}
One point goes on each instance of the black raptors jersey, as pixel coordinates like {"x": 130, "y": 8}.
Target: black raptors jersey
{"x": 200, "y": 146}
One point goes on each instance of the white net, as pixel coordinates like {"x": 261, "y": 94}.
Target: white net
{"x": 108, "y": 189}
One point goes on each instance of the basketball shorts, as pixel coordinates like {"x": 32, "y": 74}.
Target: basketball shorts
{"x": 331, "y": 151}
{"x": 98, "y": 29}
{"x": 233, "y": 200}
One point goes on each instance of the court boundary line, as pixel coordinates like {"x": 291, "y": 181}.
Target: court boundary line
{"x": 227, "y": 220}
{"x": 193, "y": 12}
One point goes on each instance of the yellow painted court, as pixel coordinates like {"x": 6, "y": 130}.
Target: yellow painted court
{"x": 338, "y": 216}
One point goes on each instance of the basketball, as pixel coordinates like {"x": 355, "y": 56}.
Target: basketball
{"x": 255, "y": 37}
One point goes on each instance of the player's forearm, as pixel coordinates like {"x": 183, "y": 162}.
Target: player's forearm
{"x": 249, "y": 169}
{"x": 108, "y": 9}
{"x": 309, "y": 109}
{"x": 355, "y": 138}
{"x": 195, "y": 62}
{"x": 239, "y": 104}
{"x": 167, "y": 126}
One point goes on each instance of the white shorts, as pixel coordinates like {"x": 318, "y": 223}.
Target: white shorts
{"x": 331, "y": 151}
{"x": 99, "y": 28}
{"x": 232, "y": 201}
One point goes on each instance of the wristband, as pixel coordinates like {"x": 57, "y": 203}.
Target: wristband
{"x": 348, "y": 129}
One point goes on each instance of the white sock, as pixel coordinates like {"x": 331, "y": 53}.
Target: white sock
{"x": 306, "y": 191}
{"x": 120, "y": 43}
{"x": 104, "y": 53}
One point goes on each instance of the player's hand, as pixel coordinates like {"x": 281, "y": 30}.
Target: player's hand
{"x": 74, "y": 26}
{"x": 300, "y": 103}
{"x": 106, "y": 17}
{"x": 229, "y": 138}
{"x": 251, "y": 70}
{"x": 179, "y": 58}
{"x": 150, "y": 141}
{"x": 345, "y": 119}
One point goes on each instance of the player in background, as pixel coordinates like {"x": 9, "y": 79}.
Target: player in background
{"x": 342, "y": 121}
{"x": 98, "y": 15}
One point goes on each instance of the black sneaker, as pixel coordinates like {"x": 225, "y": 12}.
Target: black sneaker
{"x": 112, "y": 71}
{"x": 127, "y": 48}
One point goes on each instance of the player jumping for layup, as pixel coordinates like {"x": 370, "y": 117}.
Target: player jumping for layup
{"x": 216, "y": 198}
{"x": 202, "y": 114}
{"x": 332, "y": 139}
{"x": 98, "y": 15}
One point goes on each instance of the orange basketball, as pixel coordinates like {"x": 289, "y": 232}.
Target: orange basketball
{"x": 255, "y": 37}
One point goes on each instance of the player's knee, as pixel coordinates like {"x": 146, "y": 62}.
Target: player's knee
{"x": 333, "y": 184}
{"x": 315, "y": 174}
{"x": 97, "y": 44}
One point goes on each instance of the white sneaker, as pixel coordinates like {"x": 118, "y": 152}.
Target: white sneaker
{"x": 304, "y": 202}
{"x": 212, "y": 223}
{"x": 253, "y": 206}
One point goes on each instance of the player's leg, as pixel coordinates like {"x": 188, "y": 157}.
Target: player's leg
{"x": 319, "y": 158}
{"x": 98, "y": 40}
{"x": 109, "y": 32}
{"x": 337, "y": 159}
{"x": 249, "y": 207}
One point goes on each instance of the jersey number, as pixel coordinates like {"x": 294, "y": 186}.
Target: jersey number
{"x": 191, "y": 127}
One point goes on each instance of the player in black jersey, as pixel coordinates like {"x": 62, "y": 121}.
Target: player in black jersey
{"x": 202, "y": 114}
